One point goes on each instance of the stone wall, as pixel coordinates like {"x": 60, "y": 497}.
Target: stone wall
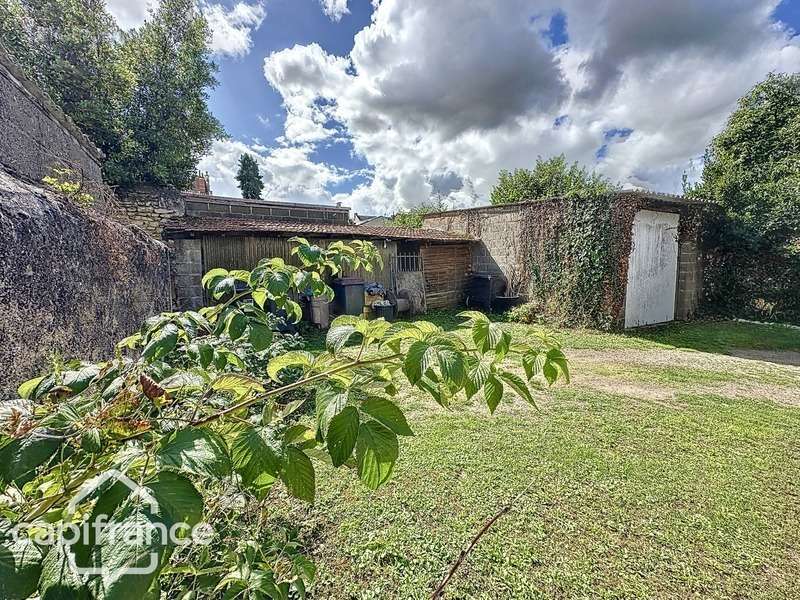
{"x": 35, "y": 135}
{"x": 72, "y": 282}
{"x": 151, "y": 207}
{"x": 690, "y": 278}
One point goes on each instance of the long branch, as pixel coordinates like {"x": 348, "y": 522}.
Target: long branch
{"x": 290, "y": 387}
{"x": 439, "y": 591}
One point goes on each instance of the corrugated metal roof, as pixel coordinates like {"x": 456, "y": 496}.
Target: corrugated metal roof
{"x": 259, "y": 226}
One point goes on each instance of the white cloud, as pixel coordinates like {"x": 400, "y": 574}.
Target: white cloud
{"x": 231, "y": 28}
{"x": 130, "y": 13}
{"x": 439, "y": 91}
{"x": 335, "y": 9}
{"x": 288, "y": 172}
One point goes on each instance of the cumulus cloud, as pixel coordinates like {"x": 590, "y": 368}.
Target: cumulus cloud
{"x": 130, "y": 14}
{"x": 335, "y": 9}
{"x": 231, "y": 28}
{"x": 438, "y": 95}
{"x": 288, "y": 172}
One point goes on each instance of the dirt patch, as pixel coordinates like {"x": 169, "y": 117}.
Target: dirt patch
{"x": 755, "y": 376}
{"x": 782, "y": 357}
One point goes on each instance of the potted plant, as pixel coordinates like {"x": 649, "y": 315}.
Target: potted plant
{"x": 511, "y": 297}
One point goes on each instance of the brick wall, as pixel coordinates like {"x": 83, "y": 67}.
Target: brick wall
{"x": 35, "y": 135}
{"x": 447, "y": 268}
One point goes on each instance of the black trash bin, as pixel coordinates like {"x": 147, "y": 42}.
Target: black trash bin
{"x": 348, "y": 295}
{"x": 482, "y": 290}
{"x": 385, "y": 311}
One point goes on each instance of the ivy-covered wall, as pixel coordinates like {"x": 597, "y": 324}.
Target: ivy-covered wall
{"x": 571, "y": 255}
{"x": 72, "y": 282}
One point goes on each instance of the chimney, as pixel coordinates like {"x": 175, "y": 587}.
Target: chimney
{"x": 201, "y": 184}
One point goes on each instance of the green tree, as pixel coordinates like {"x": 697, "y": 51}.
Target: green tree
{"x": 250, "y": 182}
{"x": 68, "y": 47}
{"x": 412, "y": 218}
{"x": 752, "y": 168}
{"x": 752, "y": 171}
{"x": 549, "y": 178}
{"x": 168, "y": 126}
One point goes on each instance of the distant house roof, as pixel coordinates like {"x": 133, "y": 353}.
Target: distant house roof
{"x": 239, "y": 226}
{"x": 367, "y": 219}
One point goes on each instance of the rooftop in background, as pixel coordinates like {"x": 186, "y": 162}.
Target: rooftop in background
{"x": 655, "y": 196}
{"x": 375, "y": 220}
{"x": 237, "y": 226}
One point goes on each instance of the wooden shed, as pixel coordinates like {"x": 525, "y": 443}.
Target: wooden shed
{"x": 434, "y": 264}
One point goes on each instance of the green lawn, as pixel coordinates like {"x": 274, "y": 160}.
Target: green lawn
{"x": 658, "y": 472}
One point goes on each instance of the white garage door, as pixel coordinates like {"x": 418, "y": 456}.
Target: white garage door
{"x": 652, "y": 269}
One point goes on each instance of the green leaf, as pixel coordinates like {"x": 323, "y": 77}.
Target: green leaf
{"x": 162, "y": 343}
{"x": 223, "y": 286}
{"x": 259, "y": 297}
{"x": 20, "y": 458}
{"x": 277, "y": 282}
{"x": 451, "y": 364}
{"x": 137, "y": 537}
{"x": 260, "y": 336}
{"x": 298, "y": 474}
{"x": 388, "y": 413}
{"x": 255, "y": 456}
{"x": 342, "y": 435}
{"x": 338, "y": 337}
{"x": 59, "y": 581}
{"x": 237, "y": 323}
{"x": 557, "y": 358}
{"x": 376, "y": 453}
{"x": 26, "y": 389}
{"x": 493, "y": 392}
{"x": 196, "y": 450}
{"x": 206, "y": 355}
{"x": 295, "y": 358}
{"x": 20, "y": 568}
{"x": 417, "y": 361}
{"x": 519, "y": 386}
{"x": 213, "y": 273}
{"x": 330, "y": 402}
{"x": 236, "y": 383}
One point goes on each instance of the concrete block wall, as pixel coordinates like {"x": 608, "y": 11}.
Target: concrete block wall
{"x": 35, "y": 135}
{"x": 690, "y": 279}
{"x": 187, "y": 273}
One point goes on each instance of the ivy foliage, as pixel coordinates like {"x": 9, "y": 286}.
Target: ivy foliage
{"x": 180, "y": 411}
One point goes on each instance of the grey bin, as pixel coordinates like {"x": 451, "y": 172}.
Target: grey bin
{"x": 348, "y": 295}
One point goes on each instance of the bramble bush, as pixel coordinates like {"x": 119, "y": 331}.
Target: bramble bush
{"x": 198, "y": 409}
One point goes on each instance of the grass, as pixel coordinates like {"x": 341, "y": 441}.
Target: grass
{"x": 630, "y": 498}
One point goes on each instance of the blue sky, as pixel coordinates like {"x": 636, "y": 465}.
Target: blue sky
{"x": 380, "y": 106}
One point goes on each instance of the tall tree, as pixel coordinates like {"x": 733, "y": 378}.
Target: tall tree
{"x": 168, "y": 124}
{"x": 250, "y": 182}
{"x": 752, "y": 168}
{"x": 69, "y": 48}
{"x": 548, "y": 178}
